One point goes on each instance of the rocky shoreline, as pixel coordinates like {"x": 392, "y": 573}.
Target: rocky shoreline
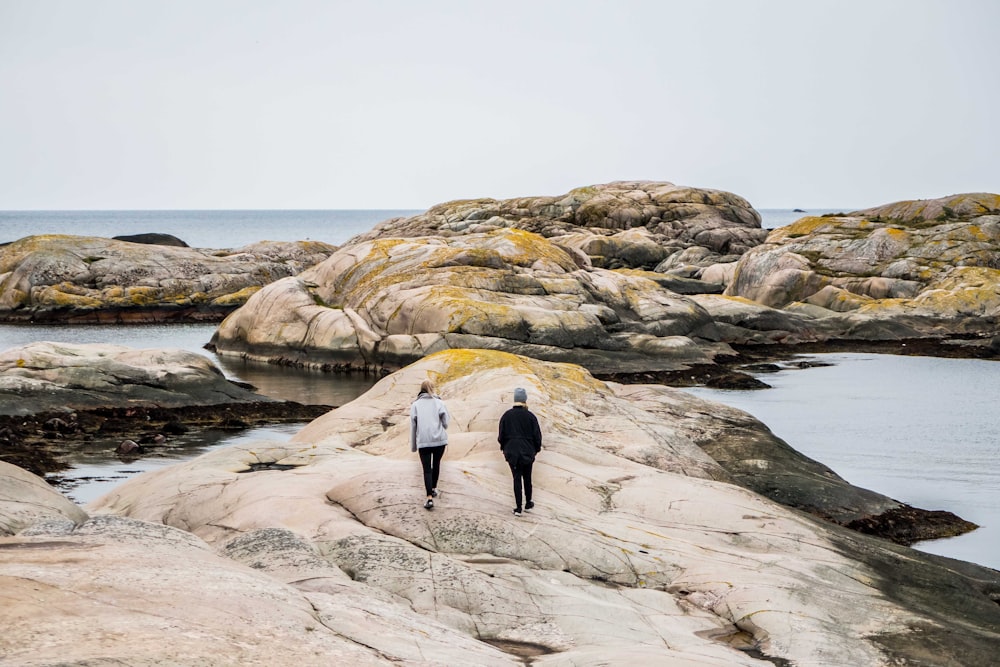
{"x": 685, "y": 530}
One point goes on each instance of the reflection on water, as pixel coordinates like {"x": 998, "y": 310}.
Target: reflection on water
{"x": 922, "y": 430}
{"x": 299, "y": 385}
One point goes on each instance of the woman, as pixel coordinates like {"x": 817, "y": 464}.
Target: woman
{"x": 429, "y": 436}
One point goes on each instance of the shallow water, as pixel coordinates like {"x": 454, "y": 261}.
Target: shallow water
{"x": 922, "y": 430}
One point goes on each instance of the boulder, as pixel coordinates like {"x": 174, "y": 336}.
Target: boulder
{"x": 88, "y": 279}
{"x": 640, "y": 549}
{"x": 51, "y": 377}
{"x": 384, "y": 303}
{"x": 624, "y": 224}
{"x": 910, "y": 269}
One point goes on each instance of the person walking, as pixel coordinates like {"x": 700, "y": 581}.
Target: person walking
{"x": 520, "y": 440}
{"x": 429, "y": 436}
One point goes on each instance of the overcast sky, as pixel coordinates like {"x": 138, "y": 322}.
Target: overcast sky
{"x": 249, "y": 104}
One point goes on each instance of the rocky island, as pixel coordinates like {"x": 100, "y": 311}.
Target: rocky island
{"x": 82, "y": 279}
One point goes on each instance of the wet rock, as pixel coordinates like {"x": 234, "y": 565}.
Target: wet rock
{"x": 153, "y": 239}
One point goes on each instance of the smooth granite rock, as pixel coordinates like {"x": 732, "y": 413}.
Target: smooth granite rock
{"x": 639, "y": 551}
{"x": 382, "y": 304}
{"x": 26, "y": 499}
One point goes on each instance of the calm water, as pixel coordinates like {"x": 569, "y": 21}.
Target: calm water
{"x": 922, "y": 430}
{"x": 199, "y": 229}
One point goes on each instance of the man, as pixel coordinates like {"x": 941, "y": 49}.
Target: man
{"x": 520, "y": 439}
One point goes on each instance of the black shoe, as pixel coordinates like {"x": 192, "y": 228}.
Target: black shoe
{"x": 528, "y": 505}
{"x": 429, "y": 505}
{"x": 434, "y": 492}
{"x": 517, "y": 511}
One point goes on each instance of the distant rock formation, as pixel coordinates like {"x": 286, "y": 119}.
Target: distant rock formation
{"x": 59, "y": 278}
{"x": 910, "y": 269}
{"x": 651, "y": 225}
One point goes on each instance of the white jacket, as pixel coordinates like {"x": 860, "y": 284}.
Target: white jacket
{"x": 428, "y": 422}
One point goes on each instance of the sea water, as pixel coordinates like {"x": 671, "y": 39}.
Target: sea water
{"x": 199, "y": 229}
{"x": 922, "y": 430}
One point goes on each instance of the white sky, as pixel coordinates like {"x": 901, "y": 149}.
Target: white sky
{"x": 189, "y": 104}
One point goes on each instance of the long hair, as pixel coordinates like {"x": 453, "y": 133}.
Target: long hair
{"x": 426, "y": 387}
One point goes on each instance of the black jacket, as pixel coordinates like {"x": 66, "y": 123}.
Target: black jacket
{"x": 520, "y": 437}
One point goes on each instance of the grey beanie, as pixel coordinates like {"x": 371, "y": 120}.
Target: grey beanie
{"x": 520, "y": 395}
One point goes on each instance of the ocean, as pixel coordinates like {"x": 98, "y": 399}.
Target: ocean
{"x": 921, "y": 430}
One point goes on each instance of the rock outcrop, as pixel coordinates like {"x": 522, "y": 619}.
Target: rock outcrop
{"x": 904, "y": 270}
{"x": 88, "y": 279}
{"x": 625, "y": 224}
{"x": 52, "y": 377}
{"x": 639, "y": 550}
{"x": 385, "y": 303}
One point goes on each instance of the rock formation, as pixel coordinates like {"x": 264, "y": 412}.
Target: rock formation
{"x": 507, "y": 276}
{"x": 904, "y": 270}
{"x": 638, "y": 551}
{"x": 87, "y": 279}
{"x": 385, "y": 303}
{"x": 47, "y": 377}
{"x": 625, "y": 224}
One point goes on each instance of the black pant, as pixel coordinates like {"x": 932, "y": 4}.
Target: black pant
{"x": 430, "y": 459}
{"x": 522, "y": 476}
